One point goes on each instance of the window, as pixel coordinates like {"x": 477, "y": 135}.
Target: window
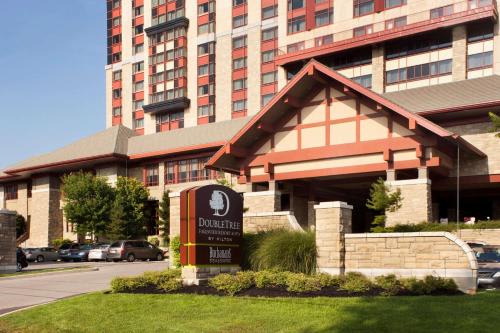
{"x": 117, "y": 112}
{"x": 206, "y": 48}
{"x": 117, "y": 75}
{"x": 473, "y": 4}
{"x": 139, "y": 48}
{"x": 394, "y": 3}
{"x": 205, "y": 110}
{"x": 323, "y": 40}
{"x": 239, "y": 2}
{"x": 323, "y": 17}
{"x": 480, "y": 60}
{"x": 295, "y": 47}
{"x": 139, "y": 11}
{"x": 269, "y": 34}
{"x": 239, "y": 84}
{"x": 295, "y": 4}
{"x": 206, "y": 89}
{"x": 363, "y": 7}
{"x": 395, "y": 23}
{"x": 117, "y": 21}
{"x": 188, "y": 171}
{"x": 139, "y": 123}
{"x": 239, "y": 21}
{"x": 206, "y": 8}
{"x": 364, "y": 80}
{"x": 441, "y": 11}
{"x": 138, "y": 67}
{"x": 138, "y": 29}
{"x": 138, "y": 86}
{"x": 240, "y": 105}
{"x": 117, "y": 93}
{"x": 239, "y": 42}
{"x": 10, "y": 192}
{"x": 151, "y": 175}
{"x": 138, "y": 104}
{"x": 116, "y": 3}
{"x": 270, "y": 77}
{"x": 117, "y": 57}
{"x": 206, "y": 28}
{"x": 206, "y": 69}
{"x": 266, "y": 99}
{"x": 269, "y": 12}
{"x": 268, "y": 56}
{"x": 240, "y": 63}
{"x": 116, "y": 39}
{"x": 361, "y": 31}
{"x": 296, "y": 24}
{"x": 419, "y": 72}
{"x": 435, "y": 41}
{"x": 479, "y": 32}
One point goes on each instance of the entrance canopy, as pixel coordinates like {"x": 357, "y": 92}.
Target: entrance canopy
{"x": 322, "y": 124}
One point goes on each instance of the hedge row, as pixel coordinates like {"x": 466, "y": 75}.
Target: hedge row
{"x": 437, "y": 227}
{"x": 166, "y": 281}
{"x": 352, "y": 282}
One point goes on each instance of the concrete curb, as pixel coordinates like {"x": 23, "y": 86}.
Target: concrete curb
{"x": 69, "y": 270}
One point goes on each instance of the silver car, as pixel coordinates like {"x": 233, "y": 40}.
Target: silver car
{"x": 99, "y": 252}
{"x": 41, "y": 254}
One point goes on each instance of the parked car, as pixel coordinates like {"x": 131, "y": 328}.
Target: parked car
{"x": 99, "y": 252}
{"x": 75, "y": 252}
{"x": 41, "y": 254}
{"x": 21, "y": 260}
{"x": 131, "y": 250}
{"x": 488, "y": 272}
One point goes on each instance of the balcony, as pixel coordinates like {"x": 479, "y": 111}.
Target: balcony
{"x": 170, "y": 105}
{"x": 168, "y": 25}
{"x": 418, "y": 23}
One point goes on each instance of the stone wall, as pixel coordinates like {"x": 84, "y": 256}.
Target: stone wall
{"x": 265, "y": 201}
{"x": 7, "y": 241}
{"x": 255, "y": 222}
{"x": 416, "y": 203}
{"x": 412, "y": 255}
{"x": 488, "y": 236}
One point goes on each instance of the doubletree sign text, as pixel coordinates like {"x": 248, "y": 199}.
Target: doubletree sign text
{"x": 211, "y": 226}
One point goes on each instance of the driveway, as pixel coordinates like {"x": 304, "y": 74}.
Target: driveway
{"x": 22, "y": 292}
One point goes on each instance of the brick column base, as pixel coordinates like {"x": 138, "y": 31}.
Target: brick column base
{"x": 333, "y": 221}
{"x": 8, "y": 248}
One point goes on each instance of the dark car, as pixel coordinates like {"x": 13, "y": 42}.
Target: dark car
{"x": 75, "y": 252}
{"x": 22, "y": 262}
{"x": 488, "y": 272}
{"x": 131, "y": 250}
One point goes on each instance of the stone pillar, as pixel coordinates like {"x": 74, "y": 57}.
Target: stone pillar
{"x": 175, "y": 219}
{"x": 262, "y": 202}
{"x": 8, "y": 261}
{"x": 311, "y": 215}
{"x": 416, "y": 203}
{"x": 459, "y": 70}
{"x": 46, "y": 214}
{"x": 195, "y": 275}
{"x": 333, "y": 221}
{"x": 391, "y": 175}
{"x": 2, "y": 197}
{"x": 378, "y": 68}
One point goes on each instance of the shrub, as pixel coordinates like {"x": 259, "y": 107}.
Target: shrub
{"x": 299, "y": 283}
{"x": 439, "y": 285}
{"x": 170, "y": 285}
{"x": 437, "y": 227}
{"x": 167, "y": 280}
{"x": 390, "y": 284}
{"x": 356, "y": 283}
{"x": 154, "y": 241}
{"x": 175, "y": 245}
{"x": 282, "y": 250}
{"x": 127, "y": 284}
{"x": 232, "y": 284}
{"x": 269, "y": 279}
{"x": 57, "y": 243}
{"x": 328, "y": 280}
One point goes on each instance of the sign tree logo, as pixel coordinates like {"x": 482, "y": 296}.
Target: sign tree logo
{"x": 219, "y": 202}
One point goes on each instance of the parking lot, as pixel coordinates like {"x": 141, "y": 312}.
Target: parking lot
{"x": 21, "y": 292}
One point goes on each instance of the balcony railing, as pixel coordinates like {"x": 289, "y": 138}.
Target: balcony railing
{"x": 416, "y": 22}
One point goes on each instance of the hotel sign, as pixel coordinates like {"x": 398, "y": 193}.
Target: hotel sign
{"x": 211, "y": 226}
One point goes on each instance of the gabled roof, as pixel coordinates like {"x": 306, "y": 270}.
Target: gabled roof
{"x": 301, "y": 85}
{"x": 111, "y": 142}
{"x": 458, "y": 95}
{"x": 185, "y": 139}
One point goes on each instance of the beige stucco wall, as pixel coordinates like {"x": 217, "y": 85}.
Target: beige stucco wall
{"x": 412, "y": 255}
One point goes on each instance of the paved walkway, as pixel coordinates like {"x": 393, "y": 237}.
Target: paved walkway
{"x": 27, "y": 291}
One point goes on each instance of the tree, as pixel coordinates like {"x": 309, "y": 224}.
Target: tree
{"x": 222, "y": 180}
{"x": 87, "y": 202}
{"x": 164, "y": 214}
{"x": 20, "y": 225}
{"x": 496, "y": 123}
{"x": 382, "y": 200}
{"x": 127, "y": 214}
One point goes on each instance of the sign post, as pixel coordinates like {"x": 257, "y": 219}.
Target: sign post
{"x": 211, "y": 232}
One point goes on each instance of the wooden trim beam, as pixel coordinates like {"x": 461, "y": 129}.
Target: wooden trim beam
{"x": 236, "y": 151}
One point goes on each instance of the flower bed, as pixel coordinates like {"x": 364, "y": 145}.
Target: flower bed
{"x": 286, "y": 284}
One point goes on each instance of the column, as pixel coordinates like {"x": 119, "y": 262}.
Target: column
{"x": 7, "y": 241}
{"x": 459, "y": 70}
{"x": 2, "y": 197}
{"x": 378, "y": 69}
{"x": 333, "y": 221}
{"x": 262, "y": 202}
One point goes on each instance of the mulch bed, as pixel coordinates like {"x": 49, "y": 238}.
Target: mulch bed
{"x": 275, "y": 292}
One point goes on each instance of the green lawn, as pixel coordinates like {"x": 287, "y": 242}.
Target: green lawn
{"x": 186, "y": 313}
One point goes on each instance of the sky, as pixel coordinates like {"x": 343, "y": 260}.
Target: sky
{"x": 52, "y": 80}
